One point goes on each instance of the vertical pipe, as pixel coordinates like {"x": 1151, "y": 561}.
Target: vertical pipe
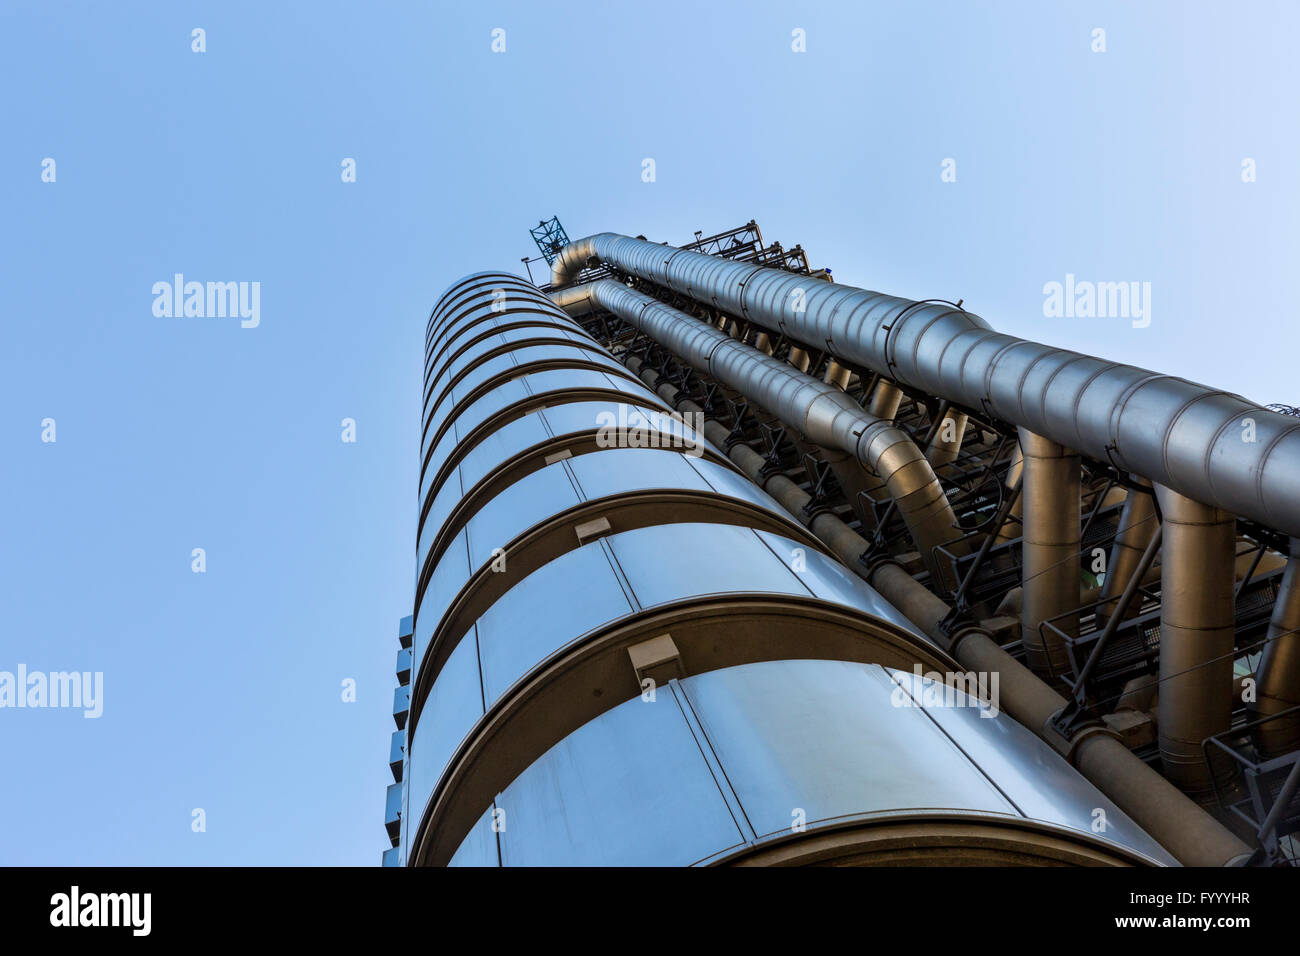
{"x": 945, "y": 444}
{"x": 885, "y": 400}
{"x": 1050, "y": 574}
{"x": 1013, "y": 527}
{"x": 1279, "y": 668}
{"x": 838, "y": 375}
{"x": 1196, "y": 636}
{"x": 1137, "y": 525}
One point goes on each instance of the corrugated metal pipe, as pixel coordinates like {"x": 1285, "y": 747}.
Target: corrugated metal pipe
{"x": 1209, "y": 445}
{"x": 820, "y": 411}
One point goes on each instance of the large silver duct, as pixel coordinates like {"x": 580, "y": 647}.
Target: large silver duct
{"x": 1209, "y": 445}
{"x": 820, "y": 411}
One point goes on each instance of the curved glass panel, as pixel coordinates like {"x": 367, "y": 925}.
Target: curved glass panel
{"x": 461, "y": 361}
{"x": 436, "y": 357}
{"x": 480, "y": 847}
{"x": 1041, "y": 784}
{"x": 497, "y": 365}
{"x": 619, "y": 470}
{"x": 507, "y": 393}
{"x": 475, "y": 307}
{"x": 557, "y": 381}
{"x": 514, "y": 437}
{"x": 502, "y": 445}
{"x": 631, "y": 787}
{"x": 480, "y": 294}
{"x": 723, "y": 559}
{"x": 727, "y": 481}
{"x": 826, "y": 737}
{"x": 455, "y": 704}
{"x": 528, "y": 502}
{"x": 450, "y": 573}
{"x": 502, "y": 364}
{"x": 832, "y": 581}
{"x": 609, "y": 414}
{"x": 514, "y": 637}
{"x": 809, "y": 741}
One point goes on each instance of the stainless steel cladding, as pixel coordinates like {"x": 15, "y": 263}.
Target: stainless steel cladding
{"x": 799, "y": 760}
{"x": 1176, "y": 433}
{"x": 625, "y": 652}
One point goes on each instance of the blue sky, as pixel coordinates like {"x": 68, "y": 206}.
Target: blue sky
{"x": 222, "y": 689}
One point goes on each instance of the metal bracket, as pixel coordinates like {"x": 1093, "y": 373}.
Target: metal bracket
{"x": 739, "y": 410}
{"x": 636, "y": 347}
{"x": 820, "y": 474}
{"x": 707, "y": 398}
{"x": 684, "y": 381}
{"x": 1071, "y": 718}
{"x": 773, "y": 435}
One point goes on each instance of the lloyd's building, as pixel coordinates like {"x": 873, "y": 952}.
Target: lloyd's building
{"x": 721, "y": 562}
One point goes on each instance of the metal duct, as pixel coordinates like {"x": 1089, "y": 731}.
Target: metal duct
{"x": 1050, "y": 549}
{"x": 945, "y": 445}
{"x": 1278, "y": 676}
{"x": 1209, "y": 445}
{"x": 821, "y": 412}
{"x": 837, "y": 375}
{"x": 885, "y": 400}
{"x": 1137, "y": 524}
{"x": 1196, "y": 635}
{"x": 1015, "y": 523}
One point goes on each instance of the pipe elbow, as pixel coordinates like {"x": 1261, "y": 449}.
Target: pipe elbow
{"x": 575, "y": 257}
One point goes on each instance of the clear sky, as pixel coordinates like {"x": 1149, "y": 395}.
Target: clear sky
{"x": 222, "y": 690}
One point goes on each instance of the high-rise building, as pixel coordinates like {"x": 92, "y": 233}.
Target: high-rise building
{"x": 720, "y": 561}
